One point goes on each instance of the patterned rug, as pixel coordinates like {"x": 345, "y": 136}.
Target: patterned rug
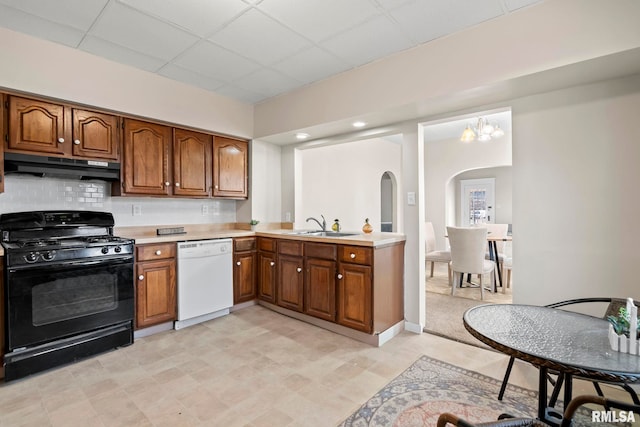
{"x": 430, "y": 387}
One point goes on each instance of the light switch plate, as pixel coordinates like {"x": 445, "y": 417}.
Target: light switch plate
{"x": 411, "y": 198}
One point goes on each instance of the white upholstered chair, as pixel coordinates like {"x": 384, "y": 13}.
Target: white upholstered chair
{"x": 468, "y": 247}
{"x": 433, "y": 255}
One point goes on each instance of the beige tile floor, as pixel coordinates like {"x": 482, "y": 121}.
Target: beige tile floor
{"x": 253, "y": 367}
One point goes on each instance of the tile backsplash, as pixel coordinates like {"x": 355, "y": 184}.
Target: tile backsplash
{"x": 28, "y": 193}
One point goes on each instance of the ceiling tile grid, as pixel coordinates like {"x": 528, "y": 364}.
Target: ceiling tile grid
{"x": 249, "y": 50}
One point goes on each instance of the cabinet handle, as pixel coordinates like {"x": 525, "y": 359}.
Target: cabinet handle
{"x": 339, "y": 276}
{"x": 353, "y": 256}
{"x": 238, "y": 263}
{"x": 177, "y": 184}
{"x": 77, "y": 142}
{"x": 272, "y": 263}
{"x": 215, "y": 186}
{"x": 167, "y": 183}
{"x": 60, "y": 140}
{"x": 158, "y": 252}
{"x": 299, "y": 269}
{"x": 141, "y": 277}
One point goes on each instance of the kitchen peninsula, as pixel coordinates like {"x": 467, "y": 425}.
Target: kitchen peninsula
{"x": 351, "y": 285}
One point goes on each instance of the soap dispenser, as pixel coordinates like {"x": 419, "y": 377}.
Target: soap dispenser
{"x": 336, "y": 225}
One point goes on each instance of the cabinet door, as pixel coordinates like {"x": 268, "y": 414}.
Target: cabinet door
{"x": 230, "y": 167}
{"x": 191, "y": 163}
{"x": 320, "y": 289}
{"x": 36, "y": 127}
{"x": 3, "y": 131}
{"x": 146, "y": 158}
{"x": 244, "y": 277}
{"x": 95, "y": 135}
{"x": 267, "y": 276}
{"x": 354, "y": 297}
{"x": 155, "y": 292}
{"x": 290, "y": 293}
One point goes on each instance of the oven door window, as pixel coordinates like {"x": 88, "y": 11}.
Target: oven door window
{"x": 45, "y": 304}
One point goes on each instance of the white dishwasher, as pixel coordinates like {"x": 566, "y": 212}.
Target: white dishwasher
{"x": 205, "y": 280}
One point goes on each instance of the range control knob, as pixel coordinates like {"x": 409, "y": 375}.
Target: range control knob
{"x": 31, "y": 257}
{"x": 117, "y": 249}
{"x": 105, "y": 250}
{"x": 49, "y": 255}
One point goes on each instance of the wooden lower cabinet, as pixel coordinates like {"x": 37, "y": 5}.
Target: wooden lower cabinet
{"x": 267, "y": 270}
{"x": 320, "y": 289}
{"x": 155, "y": 284}
{"x": 244, "y": 269}
{"x": 156, "y": 292}
{"x": 355, "y": 296}
{"x": 290, "y": 282}
{"x": 2, "y": 302}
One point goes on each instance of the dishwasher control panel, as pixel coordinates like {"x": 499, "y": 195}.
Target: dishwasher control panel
{"x": 201, "y": 248}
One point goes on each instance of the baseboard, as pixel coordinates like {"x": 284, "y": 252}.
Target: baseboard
{"x": 416, "y": 328}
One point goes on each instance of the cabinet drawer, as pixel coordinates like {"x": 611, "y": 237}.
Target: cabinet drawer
{"x": 320, "y": 250}
{"x": 289, "y": 247}
{"x": 244, "y": 244}
{"x": 356, "y": 254}
{"x": 268, "y": 245}
{"x": 155, "y": 251}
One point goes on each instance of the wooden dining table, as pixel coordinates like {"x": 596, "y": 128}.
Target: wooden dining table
{"x": 570, "y": 343}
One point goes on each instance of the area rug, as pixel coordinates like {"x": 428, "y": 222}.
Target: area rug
{"x": 430, "y": 387}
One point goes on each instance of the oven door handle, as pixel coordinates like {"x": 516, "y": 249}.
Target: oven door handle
{"x": 75, "y": 263}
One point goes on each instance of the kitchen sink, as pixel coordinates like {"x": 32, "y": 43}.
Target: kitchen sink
{"x": 322, "y": 233}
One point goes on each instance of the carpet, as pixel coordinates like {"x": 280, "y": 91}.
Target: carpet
{"x": 430, "y": 387}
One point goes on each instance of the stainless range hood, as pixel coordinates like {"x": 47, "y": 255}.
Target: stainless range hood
{"x": 61, "y": 167}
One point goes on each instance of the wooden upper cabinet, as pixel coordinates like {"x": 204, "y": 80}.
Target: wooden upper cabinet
{"x": 192, "y": 163}
{"x": 95, "y": 135}
{"x": 230, "y": 167}
{"x": 45, "y": 128}
{"x": 36, "y": 127}
{"x": 145, "y": 169}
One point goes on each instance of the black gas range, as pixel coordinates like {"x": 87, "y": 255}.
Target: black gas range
{"x": 68, "y": 288}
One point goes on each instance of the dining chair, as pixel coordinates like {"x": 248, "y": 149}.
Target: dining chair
{"x": 613, "y": 306}
{"x": 434, "y": 255}
{"x": 467, "y": 254}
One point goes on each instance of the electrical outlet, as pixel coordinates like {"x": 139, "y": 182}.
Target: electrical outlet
{"x": 137, "y": 210}
{"x": 205, "y": 210}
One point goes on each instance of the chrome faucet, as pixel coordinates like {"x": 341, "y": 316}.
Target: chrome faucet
{"x": 323, "y": 226}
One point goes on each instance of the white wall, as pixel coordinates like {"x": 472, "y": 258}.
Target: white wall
{"x": 575, "y": 192}
{"x": 445, "y": 159}
{"x": 265, "y": 184}
{"x": 343, "y": 181}
{"x": 503, "y": 192}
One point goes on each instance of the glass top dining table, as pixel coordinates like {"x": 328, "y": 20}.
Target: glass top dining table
{"x": 552, "y": 339}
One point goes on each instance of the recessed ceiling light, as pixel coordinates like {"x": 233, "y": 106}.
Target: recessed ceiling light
{"x": 302, "y": 135}
{"x": 359, "y": 124}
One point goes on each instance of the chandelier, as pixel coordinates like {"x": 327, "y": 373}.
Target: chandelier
{"x": 483, "y": 131}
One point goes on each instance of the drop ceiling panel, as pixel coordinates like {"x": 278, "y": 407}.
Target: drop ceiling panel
{"x": 267, "y": 82}
{"x": 200, "y": 17}
{"x": 189, "y": 77}
{"x": 79, "y": 14}
{"x": 320, "y": 19}
{"x": 127, "y": 27}
{"x": 255, "y": 35}
{"x": 211, "y": 60}
{"x": 117, "y": 53}
{"x": 38, "y": 27}
{"x": 370, "y": 40}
